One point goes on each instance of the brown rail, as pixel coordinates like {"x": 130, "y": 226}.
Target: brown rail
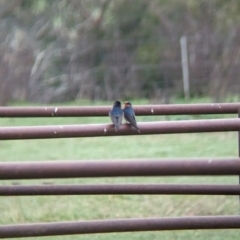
{"x": 172, "y": 109}
{"x": 103, "y": 130}
{"x": 119, "y": 225}
{"x": 120, "y": 168}
{"x": 101, "y": 189}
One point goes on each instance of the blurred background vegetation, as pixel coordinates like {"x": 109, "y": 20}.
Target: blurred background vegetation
{"x": 64, "y": 50}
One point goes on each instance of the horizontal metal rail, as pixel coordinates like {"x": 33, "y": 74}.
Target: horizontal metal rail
{"x": 103, "y": 189}
{"x": 119, "y": 225}
{"x": 120, "y": 168}
{"x": 103, "y": 130}
{"x": 140, "y": 110}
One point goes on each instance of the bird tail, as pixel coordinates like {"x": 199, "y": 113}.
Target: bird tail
{"x": 136, "y": 127}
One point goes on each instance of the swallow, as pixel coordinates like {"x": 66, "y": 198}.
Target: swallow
{"x": 129, "y": 115}
{"x": 116, "y": 115}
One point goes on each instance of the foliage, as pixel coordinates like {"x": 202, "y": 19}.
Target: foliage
{"x": 73, "y": 41}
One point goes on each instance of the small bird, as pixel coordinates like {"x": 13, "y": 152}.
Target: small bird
{"x": 129, "y": 115}
{"x": 116, "y": 115}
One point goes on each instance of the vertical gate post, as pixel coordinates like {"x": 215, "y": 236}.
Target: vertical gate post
{"x": 239, "y": 148}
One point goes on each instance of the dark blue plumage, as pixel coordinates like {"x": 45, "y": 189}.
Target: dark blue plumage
{"x": 116, "y": 115}
{"x": 129, "y": 115}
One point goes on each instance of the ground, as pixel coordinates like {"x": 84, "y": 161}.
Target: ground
{"x": 64, "y": 208}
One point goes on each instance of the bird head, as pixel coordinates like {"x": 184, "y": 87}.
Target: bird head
{"x": 117, "y": 104}
{"x": 127, "y": 104}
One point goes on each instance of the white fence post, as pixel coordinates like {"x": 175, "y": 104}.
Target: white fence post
{"x": 185, "y": 70}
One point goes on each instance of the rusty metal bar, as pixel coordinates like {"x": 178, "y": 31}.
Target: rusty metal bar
{"x": 103, "y": 189}
{"x": 120, "y": 168}
{"x": 93, "y": 111}
{"x": 119, "y": 225}
{"x": 103, "y": 130}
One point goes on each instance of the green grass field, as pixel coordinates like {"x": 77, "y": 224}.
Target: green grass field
{"x": 69, "y": 208}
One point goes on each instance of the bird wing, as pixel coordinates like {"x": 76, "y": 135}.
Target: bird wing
{"x": 130, "y": 117}
{"x": 116, "y": 118}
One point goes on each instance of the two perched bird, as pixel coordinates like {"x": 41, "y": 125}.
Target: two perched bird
{"x": 117, "y": 113}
